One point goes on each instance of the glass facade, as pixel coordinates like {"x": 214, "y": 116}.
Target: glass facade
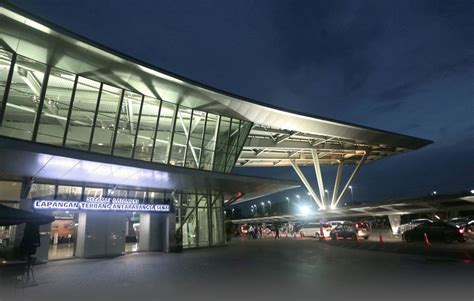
{"x": 52, "y": 106}
{"x": 200, "y": 217}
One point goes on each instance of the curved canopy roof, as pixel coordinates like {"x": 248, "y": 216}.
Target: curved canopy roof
{"x": 278, "y": 134}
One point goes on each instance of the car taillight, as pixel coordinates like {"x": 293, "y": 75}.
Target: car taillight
{"x": 461, "y": 230}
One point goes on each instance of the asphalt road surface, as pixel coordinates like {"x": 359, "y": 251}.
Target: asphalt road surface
{"x": 286, "y": 269}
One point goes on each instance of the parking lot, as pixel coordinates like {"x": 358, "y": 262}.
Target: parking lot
{"x": 265, "y": 269}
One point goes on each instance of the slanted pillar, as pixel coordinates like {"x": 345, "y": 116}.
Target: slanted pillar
{"x": 306, "y": 183}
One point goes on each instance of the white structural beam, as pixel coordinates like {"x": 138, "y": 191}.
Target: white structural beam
{"x": 193, "y": 152}
{"x": 354, "y": 173}
{"x": 319, "y": 176}
{"x": 336, "y": 183}
{"x": 306, "y": 183}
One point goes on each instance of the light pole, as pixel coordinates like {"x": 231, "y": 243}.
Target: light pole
{"x": 299, "y": 200}
{"x": 326, "y": 192}
{"x": 288, "y": 199}
{"x": 352, "y": 194}
{"x": 263, "y": 206}
{"x": 270, "y": 204}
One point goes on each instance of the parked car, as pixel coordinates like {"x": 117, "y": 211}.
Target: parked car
{"x": 412, "y": 224}
{"x": 436, "y": 231}
{"x": 314, "y": 229}
{"x": 350, "y": 230}
{"x": 334, "y": 224}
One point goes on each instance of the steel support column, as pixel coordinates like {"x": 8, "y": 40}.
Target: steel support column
{"x": 306, "y": 183}
{"x": 354, "y": 173}
{"x": 336, "y": 183}
{"x": 319, "y": 176}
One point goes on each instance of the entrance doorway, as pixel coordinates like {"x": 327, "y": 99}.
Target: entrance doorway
{"x": 132, "y": 232}
{"x": 62, "y": 235}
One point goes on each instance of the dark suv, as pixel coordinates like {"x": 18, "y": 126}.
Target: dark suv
{"x": 440, "y": 231}
{"x": 350, "y": 230}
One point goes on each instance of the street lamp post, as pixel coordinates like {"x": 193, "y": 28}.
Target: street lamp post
{"x": 270, "y": 204}
{"x": 288, "y": 199}
{"x": 263, "y": 207}
{"x": 352, "y": 194}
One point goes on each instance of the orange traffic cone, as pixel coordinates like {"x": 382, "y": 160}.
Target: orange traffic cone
{"x": 427, "y": 241}
{"x": 381, "y": 239}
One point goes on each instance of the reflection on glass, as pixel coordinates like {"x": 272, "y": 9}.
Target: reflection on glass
{"x": 106, "y": 119}
{"x": 82, "y": 115}
{"x": 57, "y": 100}
{"x": 23, "y": 99}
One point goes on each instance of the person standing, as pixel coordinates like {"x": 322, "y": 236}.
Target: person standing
{"x": 277, "y": 231}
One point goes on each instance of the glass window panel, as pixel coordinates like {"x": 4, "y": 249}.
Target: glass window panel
{"x": 210, "y": 137}
{"x": 23, "y": 99}
{"x": 193, "y": 154}
{"x": 41, "y": 191}
{"x": 155, "y": 197}
{"x": 221, "y": 146}
{"x": 203, "y": 223}
{"x": 82, "y": 115}
{"x": 57, "y": 100}
{"x": 217, "y": 227}
{"x": 233, "y": 146}
{"x": 69, "y": 193}
{"x": 163, "y": 137}
{"x": 127, "y": 129}
{"x": 5, "y": 63}
{"x": 147, "y": 128}
{"x": 106, "y": 119}
{"x": 137, "y": 194}
{"x": 189, "y": 219}
{"x": 93, "y": 192}
{"x": 180, "y": 139}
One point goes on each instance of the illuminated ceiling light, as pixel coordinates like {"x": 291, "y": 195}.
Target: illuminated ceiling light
{"x": 472, "y": 191}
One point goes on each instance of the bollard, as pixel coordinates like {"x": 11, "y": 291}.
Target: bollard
{"x": 301, "y": 234}
{"x": 427, "y": 241}
{"x": 321, "y": 234}
{"x": 381, "y": 239}
{"x": 286, "y": 233}
{"x": 357, "y": 238}
{"x": 337, "y": 236}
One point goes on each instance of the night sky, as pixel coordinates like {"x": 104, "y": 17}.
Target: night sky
{"x": 402, "y": 66}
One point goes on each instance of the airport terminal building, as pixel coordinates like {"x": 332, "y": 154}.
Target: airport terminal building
{"x": 126, "y": 155}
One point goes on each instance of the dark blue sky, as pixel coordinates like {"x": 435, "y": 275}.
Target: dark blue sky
{"x": 402, "y": 66}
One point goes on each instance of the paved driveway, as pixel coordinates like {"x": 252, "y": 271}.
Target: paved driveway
{"x": 257, "y": 270}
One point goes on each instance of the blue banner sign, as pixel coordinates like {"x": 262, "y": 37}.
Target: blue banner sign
{"x": 101, "y": 204}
